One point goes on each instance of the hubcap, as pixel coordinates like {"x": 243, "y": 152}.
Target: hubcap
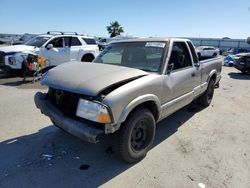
{"x": 139, "y": 136}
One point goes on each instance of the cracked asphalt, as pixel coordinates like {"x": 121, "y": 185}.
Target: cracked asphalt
{"x": 192, "y": 146}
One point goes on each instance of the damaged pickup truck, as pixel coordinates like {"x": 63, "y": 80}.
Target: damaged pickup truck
{"x": 130, "y": 86}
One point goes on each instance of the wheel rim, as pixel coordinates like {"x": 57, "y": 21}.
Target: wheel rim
{"x": 139, "y": 136}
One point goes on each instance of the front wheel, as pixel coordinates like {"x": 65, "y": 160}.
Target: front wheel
{"x": 136, "y": 136}
{"x": 206, "y": 98}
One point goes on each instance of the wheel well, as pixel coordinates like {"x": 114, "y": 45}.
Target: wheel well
{"x": 150, "y": 105}
{"x": 88, "y": 55}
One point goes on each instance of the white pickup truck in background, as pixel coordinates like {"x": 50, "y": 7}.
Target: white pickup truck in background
{"x": 55, "y": 47}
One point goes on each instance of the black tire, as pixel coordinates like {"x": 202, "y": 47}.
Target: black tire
{"x": 244, "y": 71}
{"x": 88, "y": 58}
{"x": 136, "y": 136}
{"x": 206, "y": 98}
{"x": 217, "y": 85}
{"x": 215, "y": 54}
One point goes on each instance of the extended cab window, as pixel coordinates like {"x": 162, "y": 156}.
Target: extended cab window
{"x": 191, "y": 47}
{"x": 180, "y": 57}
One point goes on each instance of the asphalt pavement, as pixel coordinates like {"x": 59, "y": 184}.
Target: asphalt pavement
{"x": 194, "y": 145}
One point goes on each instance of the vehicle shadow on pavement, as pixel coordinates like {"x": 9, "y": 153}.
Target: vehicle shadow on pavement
{"x": 170, "y": 125}
{"x": 5, "y": 74}
{"x": 53, "y": 157}
{"x": 15, "y": 79}
{"x": 239, "y": 76}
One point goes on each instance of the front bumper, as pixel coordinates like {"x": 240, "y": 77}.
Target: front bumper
{"x": 74, "y": 127}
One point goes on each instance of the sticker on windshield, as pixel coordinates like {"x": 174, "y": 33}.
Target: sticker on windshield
{"x": 155, "y": 44}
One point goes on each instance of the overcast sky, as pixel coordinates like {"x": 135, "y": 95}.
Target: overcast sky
{"x": 183, "y": 18}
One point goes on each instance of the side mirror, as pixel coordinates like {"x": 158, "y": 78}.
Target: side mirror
{"x": 170, "y": 68}
{"x": 49, "y": 46}
{"x": 197, "y": 64}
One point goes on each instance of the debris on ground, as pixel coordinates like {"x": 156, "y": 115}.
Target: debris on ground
{"x": 192, "y": 179}
{"x": 201, "y": 185}
{"x": 47, "y": 157}
{"x": 84, "y": 167}
{"x": 64, "y": 152}
{"x": 109, "y": 150}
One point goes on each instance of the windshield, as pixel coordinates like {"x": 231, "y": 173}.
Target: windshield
{"x": 147, "y": 56}
{"x": 37, "y": 41}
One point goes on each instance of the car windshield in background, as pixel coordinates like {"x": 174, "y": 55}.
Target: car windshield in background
{"x": 146, "y": 56}
{"x": 37, "y": 41}
{"x": 199, "y": 48}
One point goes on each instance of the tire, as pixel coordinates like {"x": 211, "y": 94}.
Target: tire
{"x": 215, "y": 54}
{"x": 135, "y": 137}
{"x": 217, "y": 85}
{"x": 206, "y": 98}
{"x": 88, "y": 58}
{"x": 244, "y": 71}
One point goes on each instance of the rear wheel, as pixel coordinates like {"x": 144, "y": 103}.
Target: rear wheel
{"x": 215, "y": 54}
{"x": 88, "y": 58}
{"x": 136, "y": 136}
{"x": 206, "y": 98}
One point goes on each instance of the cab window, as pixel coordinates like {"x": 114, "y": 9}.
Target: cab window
{"x": 180, "y": 57}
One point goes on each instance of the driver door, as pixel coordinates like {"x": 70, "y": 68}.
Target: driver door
{"x": 179, "y": 80}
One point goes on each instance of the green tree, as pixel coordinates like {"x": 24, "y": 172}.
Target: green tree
{"x": 114, "y": 29}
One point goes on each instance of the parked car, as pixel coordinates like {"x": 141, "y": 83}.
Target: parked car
{"x": 104, "y": 42}
{"x": 230, "y": 60}
{"x": 234, "y": 51}
{"x": 129, "y": 87}
{"x": 207, "y": 51}
{"x": 243, "y": 62}
{"x": 56, "y": 47}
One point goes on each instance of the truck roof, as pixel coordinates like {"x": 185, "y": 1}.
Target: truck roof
{"x": 153, "y": 39}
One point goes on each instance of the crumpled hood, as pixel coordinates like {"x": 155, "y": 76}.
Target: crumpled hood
{"x": 16, "y": 48}
{"x": 88, "y": 78}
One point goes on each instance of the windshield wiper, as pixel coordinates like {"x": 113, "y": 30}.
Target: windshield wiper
{"x": 148, "y": 70}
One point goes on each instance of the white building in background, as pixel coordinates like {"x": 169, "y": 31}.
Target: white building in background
{"x": 223, "y": 44}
